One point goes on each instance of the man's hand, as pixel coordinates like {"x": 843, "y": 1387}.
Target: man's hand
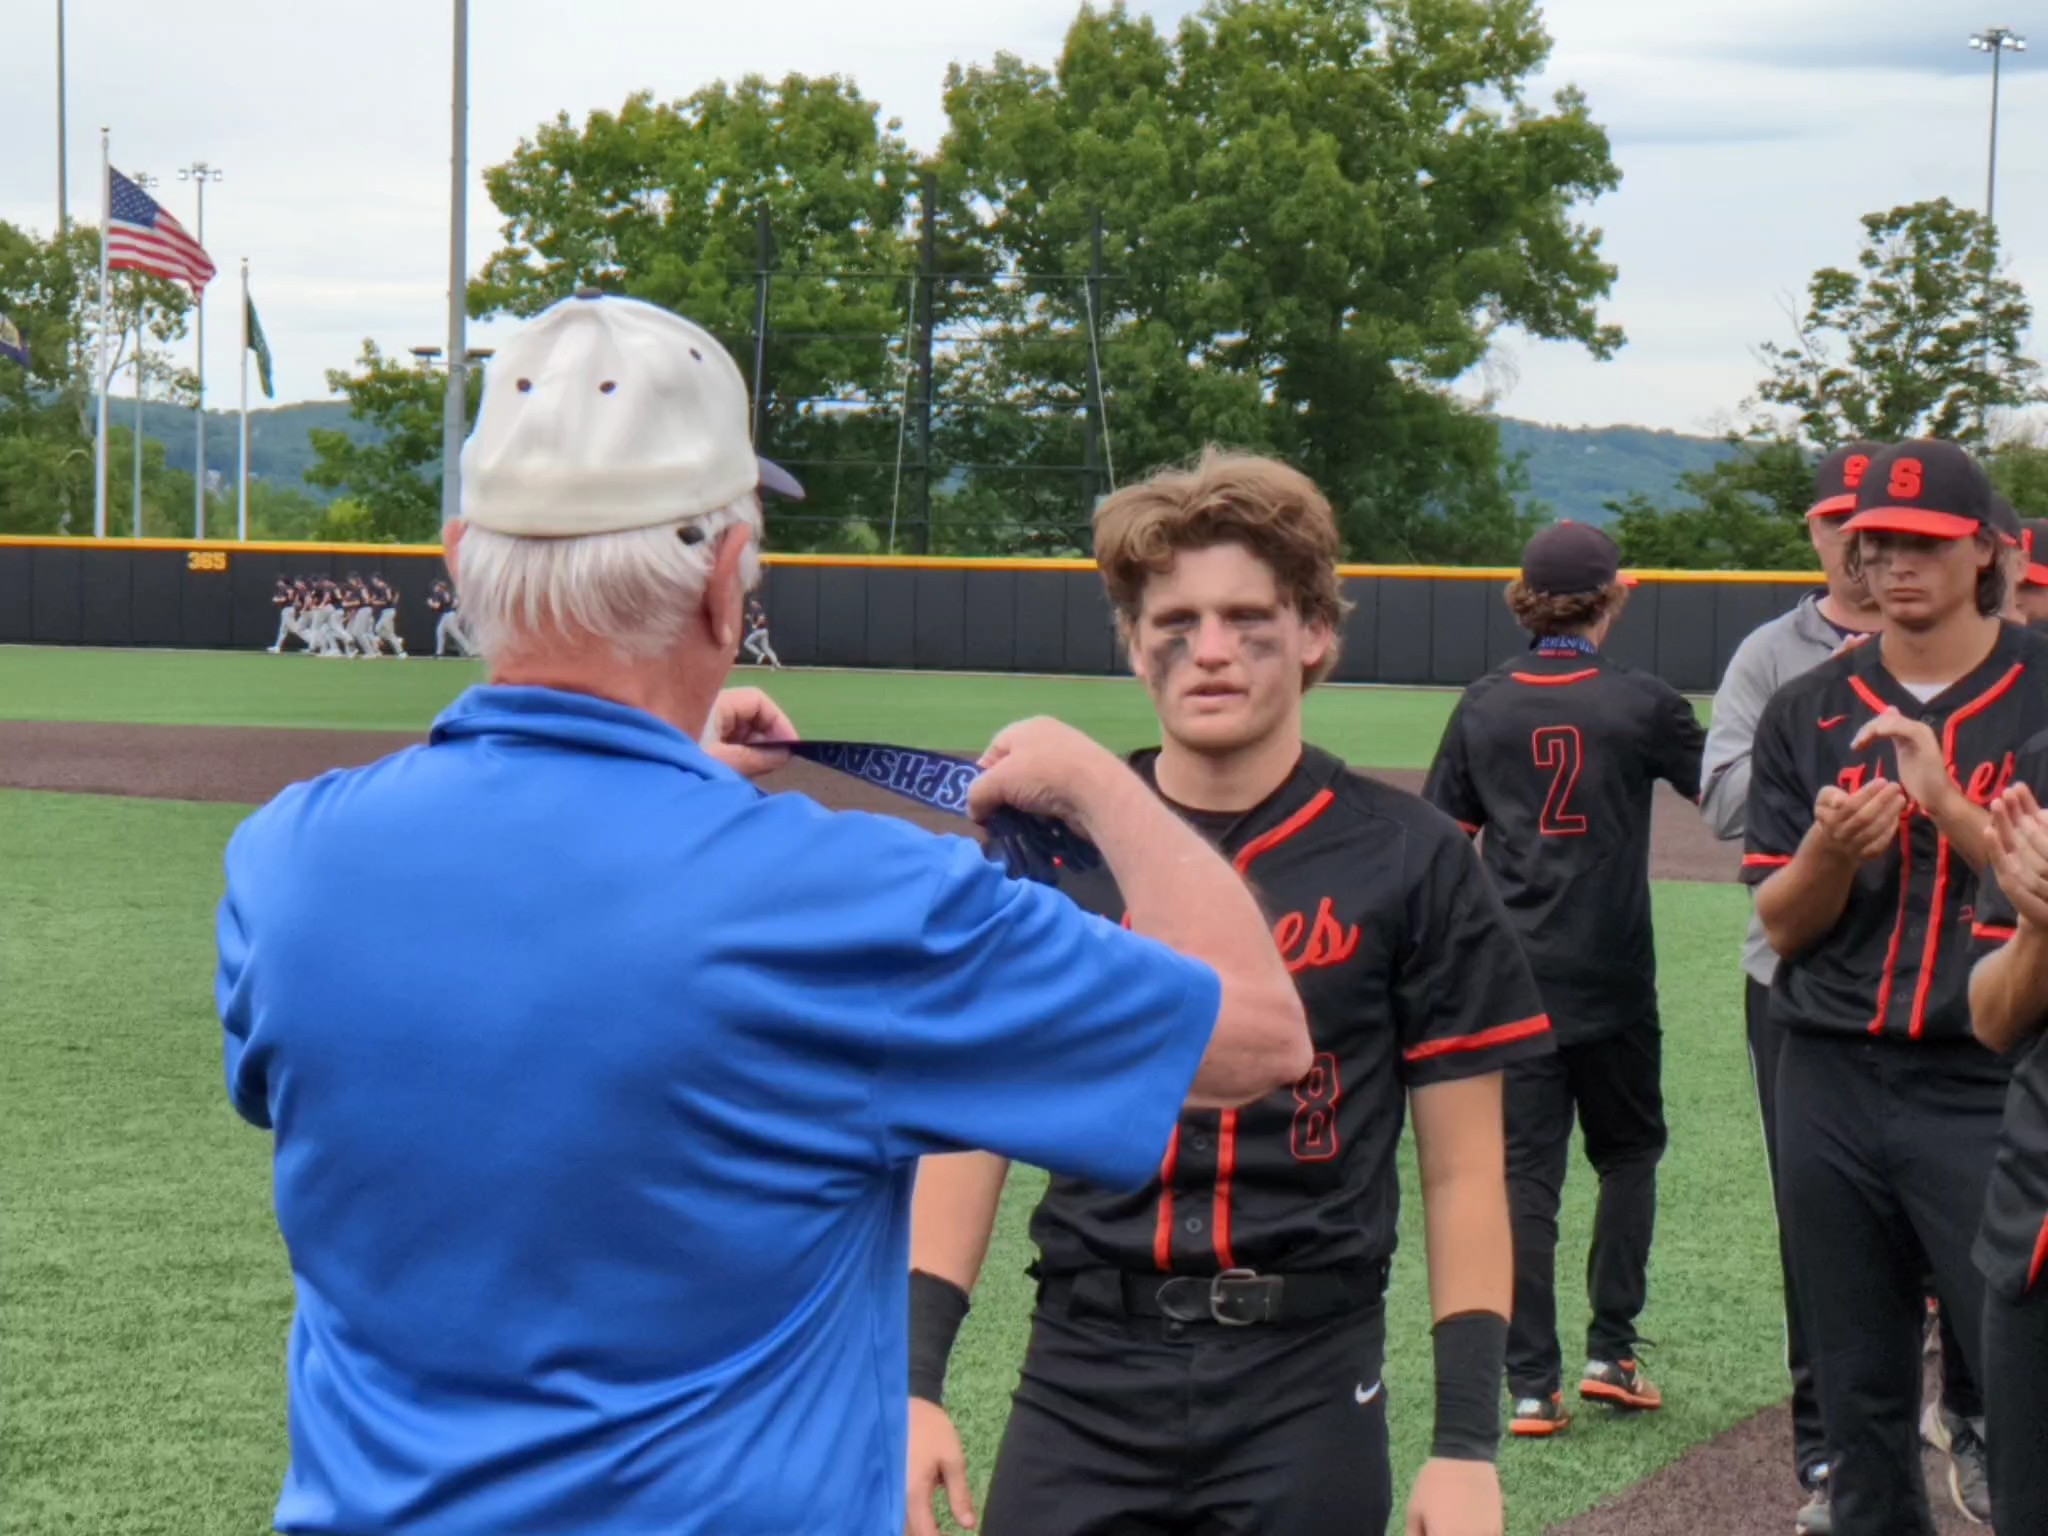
{"x": 1046, "y": 768}
{"x": 1923, "y": 771}
{"x": 2019, "y": 835}
{"x": 1456, "y": 1498}
{"x": 1862, "y": 825}
{"x": 741, "y": 717}
{"x": 935, "y": 1458}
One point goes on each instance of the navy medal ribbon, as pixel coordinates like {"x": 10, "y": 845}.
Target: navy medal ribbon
{"x": 1028, "y": 847}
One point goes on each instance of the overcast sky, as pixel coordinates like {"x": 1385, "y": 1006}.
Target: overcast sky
{"x": 1751, "y": 134}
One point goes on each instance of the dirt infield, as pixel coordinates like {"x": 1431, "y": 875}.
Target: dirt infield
{"x": 1737, "y": 1484}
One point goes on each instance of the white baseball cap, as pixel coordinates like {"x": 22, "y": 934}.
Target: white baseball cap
{"x": 605, "y": 413}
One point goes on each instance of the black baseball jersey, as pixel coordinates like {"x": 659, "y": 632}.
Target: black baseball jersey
{"x": 1897, "y": 961}
{"x": 2012, "y": 1242}
{"x": 1409, "y": 976}
{"x": 1555, "y": 756}
{"x": 282, "y": 596}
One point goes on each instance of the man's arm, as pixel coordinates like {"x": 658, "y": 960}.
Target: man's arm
{"x": 2009, "y": 990}
{"x": 1681, "y": 742}
{"x": 1800, "y": 903}
{"x": 2009, "y": 987}
{"x": 1924, "y": 774}
{"x": 1459, "y": 1143}
{"x": 1449, "y": 786}
{"x": 1746, "y": 687}
{"x": 1176, "y": 889}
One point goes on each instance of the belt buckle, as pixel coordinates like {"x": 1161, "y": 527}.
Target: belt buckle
{"x": 1181, "y": 1312}
{"x": 1217, "y": 1294}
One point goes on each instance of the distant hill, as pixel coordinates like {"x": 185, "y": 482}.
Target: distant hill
{"x": 1573, "y": 470}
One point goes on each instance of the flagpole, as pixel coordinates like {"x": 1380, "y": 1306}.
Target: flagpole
{"x": 139, "y": 333}
{"x": 99, "y": 377}
{"x": 242, "y": 473}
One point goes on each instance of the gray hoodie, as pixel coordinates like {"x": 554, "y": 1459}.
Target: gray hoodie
{"x": 1770, "y": 656}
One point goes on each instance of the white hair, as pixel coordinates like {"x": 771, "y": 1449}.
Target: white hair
{"x": 633, "y": 591}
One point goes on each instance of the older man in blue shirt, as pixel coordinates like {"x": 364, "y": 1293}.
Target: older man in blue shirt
{"x": 594, "y": 1133}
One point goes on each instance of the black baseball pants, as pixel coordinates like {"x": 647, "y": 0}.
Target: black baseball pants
{"x": 1884, "y": 1150}
{"x": 1766, "y": 1041}
{"x": 1613, "y": 1085}
{"x": 2016, "y": 1409}
{"x": 1137, "y": 1426}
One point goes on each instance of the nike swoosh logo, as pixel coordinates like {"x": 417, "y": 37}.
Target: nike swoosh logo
{"x": 1362, "y": 1396}
{"x": 1832, "y": 721}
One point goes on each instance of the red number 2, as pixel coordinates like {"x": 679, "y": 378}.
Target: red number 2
{"x": 1315, "y": 1114}
{"x": 1558, "y": 748}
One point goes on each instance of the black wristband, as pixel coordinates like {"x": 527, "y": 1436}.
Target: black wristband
{"x": 937, "y": 1308}
{"x": 1470, "y": 1347}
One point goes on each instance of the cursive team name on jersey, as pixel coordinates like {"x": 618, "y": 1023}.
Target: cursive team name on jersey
{"x": 1986, "y": 783}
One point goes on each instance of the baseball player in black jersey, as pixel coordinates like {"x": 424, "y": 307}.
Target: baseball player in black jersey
{"x": 2031, "y": 594}
{"x": 2009, "y": 1010}
{"x": 1867, "y": 828}
{"x": 1554, "y": 756}
{"x": 1205, "y": 1354}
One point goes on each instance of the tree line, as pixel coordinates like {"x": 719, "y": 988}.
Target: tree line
{"x": 1286, "y": 225}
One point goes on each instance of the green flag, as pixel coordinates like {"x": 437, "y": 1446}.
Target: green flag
{"x": 260, "y": 347}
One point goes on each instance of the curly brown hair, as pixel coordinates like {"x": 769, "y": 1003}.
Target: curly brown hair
{"x": 1269, "y": 508}
{"x": 1544, "y": 614}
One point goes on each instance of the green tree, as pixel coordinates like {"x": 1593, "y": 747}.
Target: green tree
{"x": 1319, "y": 213}
{"x": 2019, "y": 468}
{"x": 1921, "y": 340}
{"x": 661, "y": 200}
{"x": 1747, "y": 513}
{"x": 393, "y": 473}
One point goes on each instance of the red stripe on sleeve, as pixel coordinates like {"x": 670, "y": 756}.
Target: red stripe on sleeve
{"x": 1485, "y": 1040}
{"x": 1765, "y": 860}
{"x": 1993, "y": 931}
{"x": 2040, "y": 1255}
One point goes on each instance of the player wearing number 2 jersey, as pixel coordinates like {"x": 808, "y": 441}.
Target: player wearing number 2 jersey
{"x": 1554, "y": 756}
{"x": 1205, "y": 1353}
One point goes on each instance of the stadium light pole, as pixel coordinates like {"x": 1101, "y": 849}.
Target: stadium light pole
{"x": 145, "y": 181}
{"x": 1998, "y": 42}
{"x": 454, "y": 404}
{"x": 199, "y": 173}
{"x": 63, "y": 175}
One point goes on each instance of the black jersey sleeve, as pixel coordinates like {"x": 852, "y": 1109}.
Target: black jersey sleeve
{"x": 1780, "y": 804}
{"x": 1449, "y": 786}
{"x": 1680, "y": 741}
{"x": 1464, "y": 1000}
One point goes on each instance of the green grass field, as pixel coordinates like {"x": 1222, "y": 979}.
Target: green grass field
{"x": 143, "y": 1290}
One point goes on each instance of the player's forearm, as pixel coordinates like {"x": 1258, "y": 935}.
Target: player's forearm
{"x": 953, "y": 1213}
{"x": 1966, "y": 826}
{"x": 1803, "y": 901}
{"x": 1178, "y": 890}
{"x": 1461, "y": 1150}
{"x": 2009, "y": 990}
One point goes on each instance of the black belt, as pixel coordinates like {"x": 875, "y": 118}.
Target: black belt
{"x": 1236, "y": 1298}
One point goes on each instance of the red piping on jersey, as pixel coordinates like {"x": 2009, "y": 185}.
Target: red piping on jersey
{"x": 1486, "y": 1039}
{"x": 1470, "y": 829}
{"x": 1868, "y": 695}
{"x": 2040, "y": 1255}
{"x": 1226, "y": 1136}
{"x": 1554, "y": 680}
{"x": 1976, "y": 706}
{"x": 1991, "y": 931}
{"x": 1162, "y": 1234}
{"x": 1226, "y": 1166}
{"x": 1891, "y": 954}
{"x": 1765, "y": 860}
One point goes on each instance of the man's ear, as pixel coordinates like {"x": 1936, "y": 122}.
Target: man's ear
{"x": 1315, "y": 645}
{"x": 451, "y": 538}
{"x": 725, "y": 596}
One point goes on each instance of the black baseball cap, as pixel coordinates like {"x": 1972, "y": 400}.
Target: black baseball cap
{"x": 2006, "y": 521}
{"x": 1925, "y": 487}
{"x": 2034, "y": 540}
{"x": 1839, "y": 477}
{"x": 1568, "y": 558}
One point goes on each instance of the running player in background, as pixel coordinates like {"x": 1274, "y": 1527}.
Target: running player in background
{"x": 288, "y": 597}
{"x": 1793, "y": 643}
{"x": 2009, "y": 1011}
{"x": 757, "y": 644}
{"x": 449, "y": 635}
{"x": 1205, "y": 1353}
{"x": 1555, "y": 757}
{"x": 1867, "y": 827}
{"x": 358, "y": 617}
{"x": 384, "y": 629}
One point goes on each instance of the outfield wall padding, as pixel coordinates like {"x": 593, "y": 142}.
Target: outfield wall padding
{"x": 1426, "y": 626}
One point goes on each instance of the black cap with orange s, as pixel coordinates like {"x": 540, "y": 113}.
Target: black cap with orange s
{"x": 1924, "y": 487}
{"x": 1838, "y": 478}
{"x": 2034, "y": 540}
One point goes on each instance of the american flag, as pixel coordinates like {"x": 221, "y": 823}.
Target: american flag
{"x": 143, "y": 238}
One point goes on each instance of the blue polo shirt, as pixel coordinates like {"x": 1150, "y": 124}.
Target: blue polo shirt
{"x": 597, "y": 1078}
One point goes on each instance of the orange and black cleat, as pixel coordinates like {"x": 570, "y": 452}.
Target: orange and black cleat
{"x": 1622, "y": 1384}
{"x": 1540, "y": 1417}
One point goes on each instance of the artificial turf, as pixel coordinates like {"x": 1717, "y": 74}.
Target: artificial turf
{"x": 143, "y": 1291}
